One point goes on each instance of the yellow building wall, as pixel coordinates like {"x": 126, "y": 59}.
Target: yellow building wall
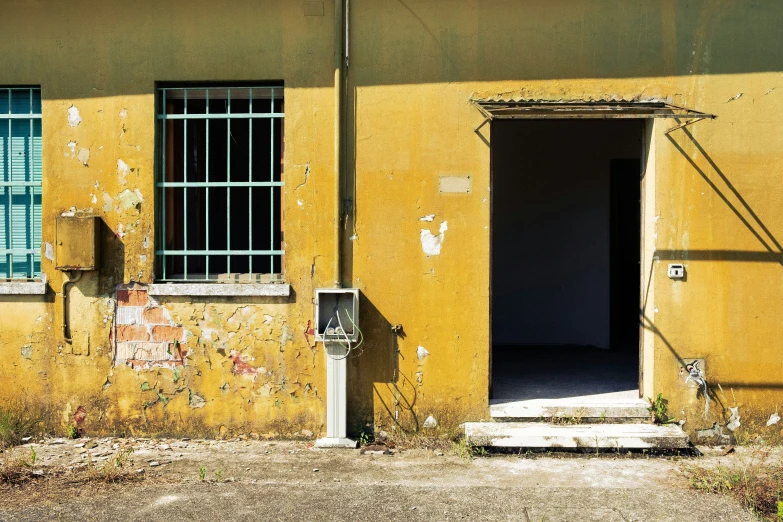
{"x": 715, "y": 203}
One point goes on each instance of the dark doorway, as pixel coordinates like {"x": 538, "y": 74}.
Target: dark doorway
{"x": 565, "y": 258}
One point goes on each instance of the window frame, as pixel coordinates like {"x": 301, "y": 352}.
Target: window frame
{"x": 33, "y": 280}
{"x": 168, "y": 282}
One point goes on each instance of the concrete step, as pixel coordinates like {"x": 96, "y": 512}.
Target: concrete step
{"x": 576, "y": 410}
{"x": 543, "y": 435}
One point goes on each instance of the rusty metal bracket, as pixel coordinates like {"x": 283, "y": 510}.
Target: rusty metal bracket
{"x": 486, "y": 120}
{"x": 690, "y": 122}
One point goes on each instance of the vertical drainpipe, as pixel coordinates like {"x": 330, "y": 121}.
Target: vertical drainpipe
{"x": 339, "y": 9}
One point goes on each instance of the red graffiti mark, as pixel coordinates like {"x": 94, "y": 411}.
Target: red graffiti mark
{"x": 308, "y": 332}
{"x": 240, "y": 367}
{"x": 78, "y": 418}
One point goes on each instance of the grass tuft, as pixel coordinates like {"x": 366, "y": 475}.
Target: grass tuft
{"x": 755, "y": 482}
{"x": 18, "y": 421}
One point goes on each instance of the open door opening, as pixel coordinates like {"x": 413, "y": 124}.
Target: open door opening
{"x": 566, "y": 244}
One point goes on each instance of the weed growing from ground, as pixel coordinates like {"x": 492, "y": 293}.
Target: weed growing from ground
{"x": 659, "y": 410}
{"x": 16, "y": 422}
{"x": 464, "y": 449}
{"x": 565, "y": 420}
{"x": 114, "y": 470}
{"x": 755, "y": 482}
{"x": 16, "y": 470}
{"x": 72, "y": 432}
{"x": 364, "y": 438}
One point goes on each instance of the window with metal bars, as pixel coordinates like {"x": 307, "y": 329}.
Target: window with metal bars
{"x": 219, "y": 183}
{"x": 20, "y": 183}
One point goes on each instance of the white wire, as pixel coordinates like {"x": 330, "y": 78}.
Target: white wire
{"x": 348, "y": 348}
{"x": 361, "y": 335}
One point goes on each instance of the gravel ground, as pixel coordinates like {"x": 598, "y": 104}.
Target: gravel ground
{"x": 262, "y": 480}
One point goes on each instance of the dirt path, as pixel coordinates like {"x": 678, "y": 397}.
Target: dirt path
{"x": 252, "y": 480}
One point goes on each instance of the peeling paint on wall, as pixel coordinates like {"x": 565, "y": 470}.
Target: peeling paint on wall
{"x": 713, "y": 432}
{"x": 196, "y": 400}
{"x": 107, "y": 202}
{"x": 74, "y": 118}
{"x": 145, "y": 335}
{"x": 129, "y": 199}
{"x": 241, "y": 365}
{"x": 734, "y": 419}
{"x": 84, "y": 156}
{"x": 422, "y": 352}
{"x": 122, "y": 170}
{"x": 430, "y": 243}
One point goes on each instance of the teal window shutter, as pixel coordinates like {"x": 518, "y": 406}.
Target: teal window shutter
{"x": 20, "y": 183}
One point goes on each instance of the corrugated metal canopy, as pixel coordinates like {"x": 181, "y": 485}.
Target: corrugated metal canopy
{"x": 494, "y": 109}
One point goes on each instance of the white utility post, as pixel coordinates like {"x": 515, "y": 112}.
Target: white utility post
{"x": 337, "y": 327}
{"x": 336, "y": 398}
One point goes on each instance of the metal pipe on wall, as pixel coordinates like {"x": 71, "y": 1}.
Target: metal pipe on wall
{"x": 339, "y": 64}
{"x": 67, "y": 280}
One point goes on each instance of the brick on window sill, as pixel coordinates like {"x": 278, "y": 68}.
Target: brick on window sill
{"x": 221, "y": 289}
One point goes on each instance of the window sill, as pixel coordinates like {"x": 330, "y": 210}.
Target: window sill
{"x": 221, "y": 289}
{"x": 23, "y": 287}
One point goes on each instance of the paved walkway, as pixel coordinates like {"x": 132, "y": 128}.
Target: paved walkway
{"x": 250, "y": 480}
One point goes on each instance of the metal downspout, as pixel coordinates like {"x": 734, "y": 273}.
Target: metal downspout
{"x": 339, "y": 63}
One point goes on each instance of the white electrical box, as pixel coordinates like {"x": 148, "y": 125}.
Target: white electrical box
{"x": 677, "y": 271}
{"x": 337, "y": 315}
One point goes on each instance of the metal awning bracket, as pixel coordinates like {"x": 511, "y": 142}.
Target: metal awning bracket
{"x": 690, "y": 122}
{"x": 520, "y": 110}
{"x": 486, "y": 120}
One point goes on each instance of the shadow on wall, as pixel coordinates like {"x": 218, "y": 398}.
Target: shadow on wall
{"x": 375, "y": 363}
{"x": 472, "y": 40}
{"x": 772, "y": 253}
{"x": 469, "y": 41}
{"x": 112, "y": 262}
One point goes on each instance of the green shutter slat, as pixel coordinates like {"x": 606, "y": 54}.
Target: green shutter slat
{"x": 20, "y": 164}
{"x": 4, "y": 191}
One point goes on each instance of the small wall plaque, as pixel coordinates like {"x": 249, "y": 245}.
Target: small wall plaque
{"x": 455, "y": 184}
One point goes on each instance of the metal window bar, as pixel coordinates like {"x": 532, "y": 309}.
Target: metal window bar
{"x": 161, "y": 238}
{"x": 272, "y": 179}
{"x": 228, "y": 177}
{"x": 20, "y": 179}
{"x": 253, "y": 94}
{"x": 185, "y": 187}
{"x": 206, "y": 189}
{"x": 250, "y": 179}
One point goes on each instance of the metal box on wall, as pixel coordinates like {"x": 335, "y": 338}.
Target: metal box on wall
{"x": 77, "y": 242}
{"x": 337, "y": 314}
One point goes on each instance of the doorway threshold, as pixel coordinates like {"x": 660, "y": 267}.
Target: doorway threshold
{"x": 566, "y": 381}
{"x": 614, "y": 407}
